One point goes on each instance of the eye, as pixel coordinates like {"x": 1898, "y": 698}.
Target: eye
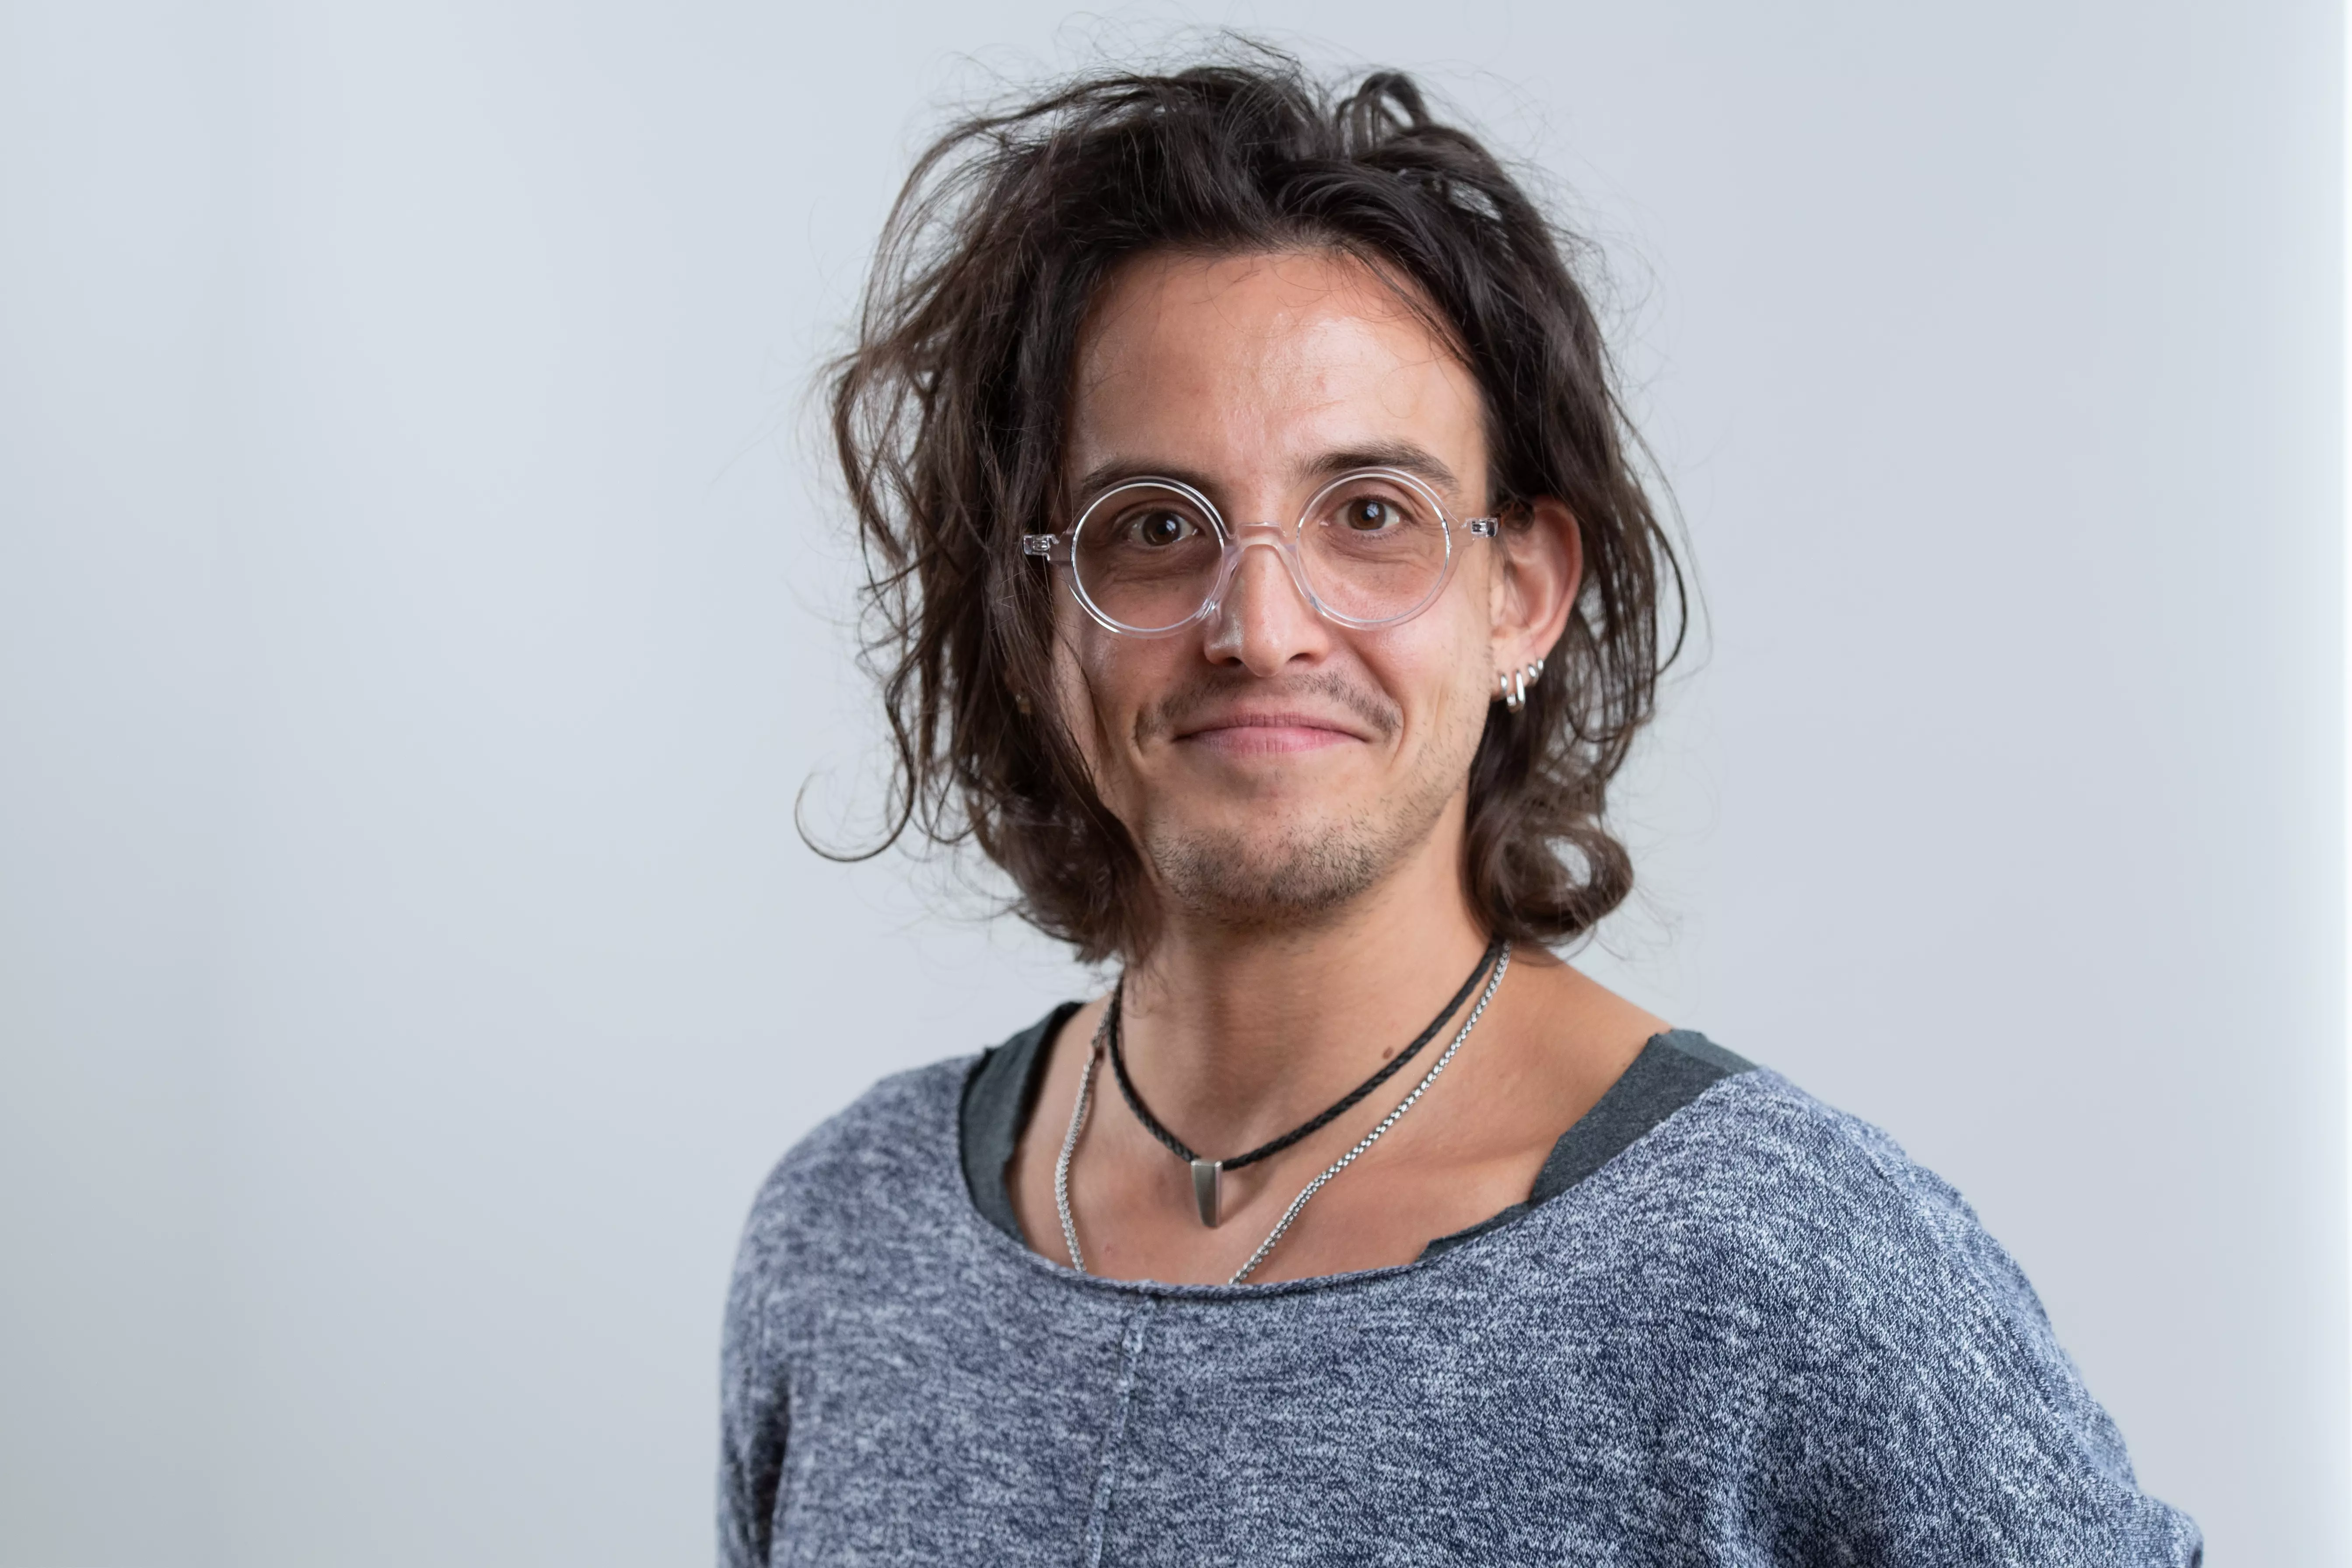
{"x": 1369, "y": 514}
{"x": 1160, "y": 527}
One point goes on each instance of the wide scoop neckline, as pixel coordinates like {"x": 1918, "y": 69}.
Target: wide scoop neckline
{"x": 1000, "y": 1093}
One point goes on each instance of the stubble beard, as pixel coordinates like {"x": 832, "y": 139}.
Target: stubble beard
{"x": 1300, "y": 876}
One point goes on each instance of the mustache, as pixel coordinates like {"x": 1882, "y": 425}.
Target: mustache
{"x": 1175, "y": 711}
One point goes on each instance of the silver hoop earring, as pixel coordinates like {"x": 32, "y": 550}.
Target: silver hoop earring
{"x": 1513, "y": 688}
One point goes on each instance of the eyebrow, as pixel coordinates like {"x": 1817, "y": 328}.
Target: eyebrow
{"x": 1410, "y": 456}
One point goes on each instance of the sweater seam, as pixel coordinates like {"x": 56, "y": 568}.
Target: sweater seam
{"x": 1107, "y": 1481}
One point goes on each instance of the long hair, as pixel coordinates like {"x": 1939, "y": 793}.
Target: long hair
{"x": 949, "y": 418}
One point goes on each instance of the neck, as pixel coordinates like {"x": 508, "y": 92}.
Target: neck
{"x": 1234, "y": 1035}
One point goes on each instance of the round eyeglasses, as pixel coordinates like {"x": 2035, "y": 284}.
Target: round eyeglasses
{"x": 1148, "y": 557}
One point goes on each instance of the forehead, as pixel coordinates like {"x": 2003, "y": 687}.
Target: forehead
{"x": 1252, "y": 370}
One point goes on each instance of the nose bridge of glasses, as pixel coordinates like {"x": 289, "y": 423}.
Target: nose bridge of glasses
{"x": 1241, "y": 538}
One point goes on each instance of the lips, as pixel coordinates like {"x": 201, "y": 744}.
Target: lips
{"x": 1268, "y": 734}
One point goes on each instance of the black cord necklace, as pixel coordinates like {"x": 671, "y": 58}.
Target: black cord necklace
{"x": 1207, "y": 1174}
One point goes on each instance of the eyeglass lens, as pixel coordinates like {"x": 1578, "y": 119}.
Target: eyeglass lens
{"x": 1370, "y": 548}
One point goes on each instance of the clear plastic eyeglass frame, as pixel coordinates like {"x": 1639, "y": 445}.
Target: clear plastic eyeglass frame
{"x": 1233, "y": 541}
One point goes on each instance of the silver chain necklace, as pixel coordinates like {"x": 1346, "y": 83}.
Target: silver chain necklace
{"x": 1290, "y": 1214}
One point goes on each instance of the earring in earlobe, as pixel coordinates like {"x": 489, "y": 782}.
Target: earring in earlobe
{"x": 1021, "y": 702}
{"x": 1513, "y": 688}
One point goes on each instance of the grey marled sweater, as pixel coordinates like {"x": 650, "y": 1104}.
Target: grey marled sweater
{"x": 1731, "y": 1326}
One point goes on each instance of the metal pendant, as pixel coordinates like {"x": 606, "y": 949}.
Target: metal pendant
{"x": 1207, "y": 1179}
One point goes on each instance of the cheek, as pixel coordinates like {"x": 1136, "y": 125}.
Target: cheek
{"x": 1100, "y": 684}
{"x": 1074, "y": 688}
{"x": 1443, "y": 681}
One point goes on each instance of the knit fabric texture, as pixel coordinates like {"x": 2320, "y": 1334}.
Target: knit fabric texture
{"x": 1757, "y": 1333}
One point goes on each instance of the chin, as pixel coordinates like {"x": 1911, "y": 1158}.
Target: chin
{"x": 1272, "y": 846}
{"x": 1251, "y": 875}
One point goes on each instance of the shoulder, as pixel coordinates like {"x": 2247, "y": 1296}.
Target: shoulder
{"x": 1822, "y": 1201}
{"x": 1780, "y": 1198}
{"x": 1900, "y": 1359}
{"x": 872, "y": 1170}
{"x": 887, "y": 1151}
{"x": 868, "y": 1191}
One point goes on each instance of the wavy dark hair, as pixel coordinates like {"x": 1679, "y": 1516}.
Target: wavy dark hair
{"x": 949, "y": 418}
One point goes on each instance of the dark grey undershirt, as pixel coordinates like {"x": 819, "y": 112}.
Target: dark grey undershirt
{"x": 1675, "y": 1068}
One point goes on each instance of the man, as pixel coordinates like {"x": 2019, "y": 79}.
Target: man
{"x": 1265, "y": 588}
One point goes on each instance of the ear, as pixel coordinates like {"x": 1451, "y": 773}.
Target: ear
{"x": 1535, "y": 592}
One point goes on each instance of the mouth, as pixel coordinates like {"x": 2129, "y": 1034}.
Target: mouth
{"x": 1267, "y": 733}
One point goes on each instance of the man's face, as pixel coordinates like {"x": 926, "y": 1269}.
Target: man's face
{"x": 1270, "y": 764}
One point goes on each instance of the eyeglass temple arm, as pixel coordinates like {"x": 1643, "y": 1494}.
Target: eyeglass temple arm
{"x": 1056, "y": 546}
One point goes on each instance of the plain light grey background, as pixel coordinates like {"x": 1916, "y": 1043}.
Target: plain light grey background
{"x": 418, "y": 610}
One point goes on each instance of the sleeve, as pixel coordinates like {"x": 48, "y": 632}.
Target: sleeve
{"x": 753, "y": 1410}
{"x": 1933, "y": 1415}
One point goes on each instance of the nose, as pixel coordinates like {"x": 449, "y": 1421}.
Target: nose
{"x": 1263, "y": 619}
